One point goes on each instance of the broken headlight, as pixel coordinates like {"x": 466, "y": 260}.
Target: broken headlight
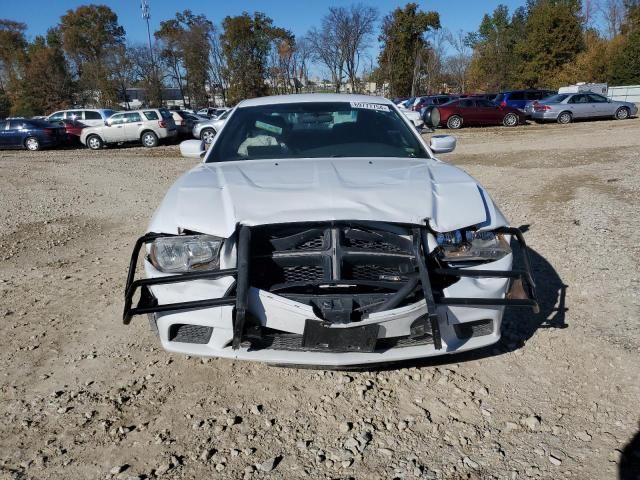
{"x": 471, "y": 246}
{"x": 185, "y": 253}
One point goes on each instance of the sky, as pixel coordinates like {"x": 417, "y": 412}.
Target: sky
{"x": 296, "y": 15}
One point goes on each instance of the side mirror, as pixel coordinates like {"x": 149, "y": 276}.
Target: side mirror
{"x": 192, "y": 148}
{"x": 442, "y": 143}
{"x": 106, "y": 123}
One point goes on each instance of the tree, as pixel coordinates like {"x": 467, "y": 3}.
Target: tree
{"x": 553, "y": 37}
{"x": 403, "y": 45}
{"x": 612, "y": 12}
{"x": 13, "y": 58}
{"x": 325, "y": 46}
{"x": 46, "y": 61}
{"x": 147, "y": 74}
{"x": 458, "y": 63}
{"x": 625, "y": 65}
{"x": 88, "y": 34}
{"x": 185, "y": 51}
{"x": 246, "y": 42}
{"x": 218, "y": 71}
{"x": 495, "y": 61}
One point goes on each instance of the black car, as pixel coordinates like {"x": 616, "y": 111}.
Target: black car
{"x": 30, "y": 134}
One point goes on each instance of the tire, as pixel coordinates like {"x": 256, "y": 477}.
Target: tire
{"x": 207, "y": 135}
{"x": 32, "y": 144}
{"x": 510, "y": 120}
{"x": 454, "y": 122}
{"x": 94, "y": 142}
{"x": 149, "y": 139}
{"x": 565, "y": 118}
{"x": 622, "y": 113}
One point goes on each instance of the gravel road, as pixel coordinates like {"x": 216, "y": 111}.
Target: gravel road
{"x": 83, "y": 397}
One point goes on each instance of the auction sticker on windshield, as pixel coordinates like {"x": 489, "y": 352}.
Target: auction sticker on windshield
{"x": 370, "y": 106}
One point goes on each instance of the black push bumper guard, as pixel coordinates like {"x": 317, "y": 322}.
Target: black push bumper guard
{"x": 521, "y": 294}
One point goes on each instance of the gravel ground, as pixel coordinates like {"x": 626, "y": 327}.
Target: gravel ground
{"x": 84, "y": 397}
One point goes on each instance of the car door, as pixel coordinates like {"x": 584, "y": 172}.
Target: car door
{"x": 579, "y": 106}
{"x": 466, "y": 108}
{"x": 14, "y": 133}
{"x": 114, "y": 132}
{"x": 602, "y": 106}
{"x": 488, "y": 113}
{"x": 132, "y": 126}
{"x": 4, "y": 136}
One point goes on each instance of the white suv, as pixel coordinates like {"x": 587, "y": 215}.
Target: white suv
{"x": 147, "y": 126}
{"x": 87, "y": 116}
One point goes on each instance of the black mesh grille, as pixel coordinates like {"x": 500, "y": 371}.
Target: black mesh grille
{"x": 190, "y": 333}
{"x": 303, "y": 273}
{"x": 313, "y": 244}
{"x": 473, "y": 329}
{"x": 293, "y": 343}
{"x": 373, "y": 245}
{"x": 373, "y": 272}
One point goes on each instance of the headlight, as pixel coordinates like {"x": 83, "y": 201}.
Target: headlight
{"x": 186, "y": 253}
{"x": 470, "y": 246}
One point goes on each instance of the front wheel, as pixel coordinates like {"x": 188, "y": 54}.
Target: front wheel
{"x": 622, "y": 113}
{"x": 564, "y": 118}
{"x": 510, "y": 120}
{"x": 454, "y": 122}
{"x": 149, "y": 139}
{"x": 94, "y": 142}
{"x": 207, "y": 135}
{"x": 32, "y": 144}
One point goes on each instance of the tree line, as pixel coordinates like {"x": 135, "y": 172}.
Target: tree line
{"x": 86, "y": 59}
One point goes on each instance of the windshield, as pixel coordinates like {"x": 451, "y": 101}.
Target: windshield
{"x": 554, "y": 98}
{"x": 315, "y": 130}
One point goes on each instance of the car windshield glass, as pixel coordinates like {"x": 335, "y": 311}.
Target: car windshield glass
{"x": 555, "y": 98}
{"x": 313, "y": 130}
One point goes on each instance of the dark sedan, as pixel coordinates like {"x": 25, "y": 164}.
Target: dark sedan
{"x": 478, "y": 111}
{"x": 30, "y": 134}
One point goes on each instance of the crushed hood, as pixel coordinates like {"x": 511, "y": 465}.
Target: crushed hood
{"x": 213, "y": 198}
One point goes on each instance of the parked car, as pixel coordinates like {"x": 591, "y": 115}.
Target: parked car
{"x": 207, "y": 130}
{"x": 471, "y": 111}
{"x": 432, "y": 100}
{"x": 564, "y": 108}
{"x": 304, "y": 241}
{"x": 519, "y": 98}
{"x": 413, "y": 116}
{"x": 147, "y": 126}
{"x": 30, "y": 134}
{"x": 89, "y": 116}
{"x": 406, "y": 104}
{"x": 184, "y": 122}
{"x": 73, "y": 129}
{"x": 212, "y": 112}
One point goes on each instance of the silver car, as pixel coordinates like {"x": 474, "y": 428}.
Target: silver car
{"x": 565, "y": 107}
{"x": 206, "y": 131}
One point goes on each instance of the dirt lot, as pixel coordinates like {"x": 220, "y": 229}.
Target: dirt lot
{"x": 84, "y": 397}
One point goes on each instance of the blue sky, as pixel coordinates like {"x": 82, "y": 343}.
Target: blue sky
{"x": 295, "y": 15}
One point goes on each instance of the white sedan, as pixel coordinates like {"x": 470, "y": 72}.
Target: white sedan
{"x": 322, "y": 230}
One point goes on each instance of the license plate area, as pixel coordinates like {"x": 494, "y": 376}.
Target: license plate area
{"x": 318, "y": 337}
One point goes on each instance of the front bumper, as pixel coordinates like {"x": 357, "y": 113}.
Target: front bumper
{"x": 220, "y": 314}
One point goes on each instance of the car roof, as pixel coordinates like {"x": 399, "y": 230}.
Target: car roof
{"x": 312, "y": 98}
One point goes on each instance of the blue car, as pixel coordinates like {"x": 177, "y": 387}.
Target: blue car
{"x": 519, "y": 98}
{"x": 30, "y": 134}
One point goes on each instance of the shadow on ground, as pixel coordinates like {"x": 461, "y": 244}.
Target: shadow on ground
{"x": 629, "y": 468}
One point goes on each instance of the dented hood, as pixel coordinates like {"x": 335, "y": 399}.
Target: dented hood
{"x": 214, "y": 197}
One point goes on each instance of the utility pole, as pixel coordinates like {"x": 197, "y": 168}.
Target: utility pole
{"x": 146, "y": 15}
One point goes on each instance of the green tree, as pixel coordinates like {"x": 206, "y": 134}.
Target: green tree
{"x": 495, "y": 61}
{"x": 47, "y": 82}
{"x": 404, "y": 47}
{"x": 185, "y": 51}
{"x": 625, "y": 65}
{"x": 88, "y": 35}
{"x": 246, "y": 42}
{"x": 13, "y": 59}
{"x": 553, "y": 38}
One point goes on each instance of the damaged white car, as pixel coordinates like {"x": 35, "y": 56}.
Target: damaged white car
{"x": 322, "y": 230}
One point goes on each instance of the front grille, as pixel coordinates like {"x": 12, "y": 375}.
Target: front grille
{"x": 293, "y": 343}
{"x": 373, "y": 245}
{"x": 190, "y": 333}
{"x": 302, "y": 273}
{"x": 478, "y": 328}
{"x": 374, "y": 272}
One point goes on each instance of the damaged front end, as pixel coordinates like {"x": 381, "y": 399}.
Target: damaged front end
{"x": 307, "y": 293}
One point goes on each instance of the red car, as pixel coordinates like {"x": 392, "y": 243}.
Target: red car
{"x": 478, "y": 111}
{"x": 72, "y": 128}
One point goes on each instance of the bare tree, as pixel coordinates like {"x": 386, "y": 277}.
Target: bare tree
{"x": 218, "y": 73}
{"x": 301, "y": 59}
{"x": 326, "y": 48}
{"x": 356, "y": 32}
{"x": 612, "y": 12}
{"x": 430, "y": 62}
{"x": 458, "y": 63}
